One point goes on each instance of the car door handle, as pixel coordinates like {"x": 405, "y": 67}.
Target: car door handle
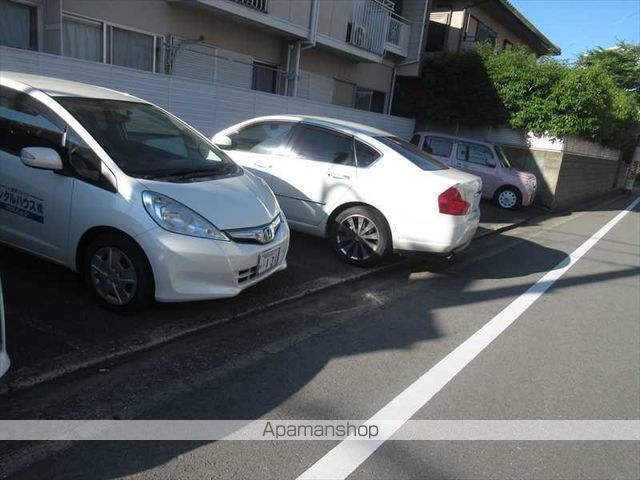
{"x": 339, "y": 176}
{"x": 262, "y": 165}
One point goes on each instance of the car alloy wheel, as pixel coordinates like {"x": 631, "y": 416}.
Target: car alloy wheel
{"x": 358, "y": 238}
{"x": 113, "y": 276}
{"x": 507, "y": 199}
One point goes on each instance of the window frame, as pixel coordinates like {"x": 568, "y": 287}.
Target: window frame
{"x": 35, "y": 32}
{"x": 459, "y": 144}
{"x": 285, "y": 144}
{"x": 296, "y": 134}
{"x": 439, "y": 137}
{"x": 371, "y": 93}
{"x": 63, "y": 148}
{"x": 107, "y": 42}
{"x": 355, "y": 152}
{"x": 261, "y": 64}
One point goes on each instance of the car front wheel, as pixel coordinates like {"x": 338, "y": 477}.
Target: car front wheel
{"x": 361, "y": 236}
{"x": 508, "y": 198}
{"x": 118, "y": 274}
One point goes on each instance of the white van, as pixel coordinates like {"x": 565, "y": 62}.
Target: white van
{"x": 138, "y": 202}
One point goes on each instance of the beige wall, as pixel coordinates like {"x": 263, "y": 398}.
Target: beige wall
{"x": 294, "y": 11}
{"x": 231, "y": 36}
{"x": 164, "y": 18}
{"x": 333, "y": 18}
{"x": 456, "y": 19}
{"x": 370, "y": 75}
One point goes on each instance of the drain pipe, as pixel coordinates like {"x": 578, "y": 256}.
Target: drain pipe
{"x": 301, "y": 45}
{"x": 297, "y": 49}
{"x": 313, "y": 25}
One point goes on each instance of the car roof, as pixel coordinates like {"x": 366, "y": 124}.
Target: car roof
{"x": 334, "y": 123}
{"x": 55, "y": 87}
{"x": 454, "y": 137}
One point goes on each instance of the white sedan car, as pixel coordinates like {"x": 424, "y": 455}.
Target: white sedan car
{"x": 138, "y": 202}
{"x": 368, "y": 191}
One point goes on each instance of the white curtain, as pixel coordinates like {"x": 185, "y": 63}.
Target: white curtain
{"x": 82, "y": 39}
{"x": 15, "y": 24}
{"x": 132, "y": 49}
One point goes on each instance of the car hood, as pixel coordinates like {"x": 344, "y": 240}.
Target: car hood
{"x": 521, "y": 173}
{"x": 236, "y": 202}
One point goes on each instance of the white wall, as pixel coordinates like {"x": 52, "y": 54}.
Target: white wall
{"x": 208, "y": 107}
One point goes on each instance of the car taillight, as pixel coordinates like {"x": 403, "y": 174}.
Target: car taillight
{"x": 451, "y": 202}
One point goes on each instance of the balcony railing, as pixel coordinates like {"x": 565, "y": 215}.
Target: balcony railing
{"x": 260, "y": 5}
{"x": 398, "y": 30}
{"x": 375, "y": 28}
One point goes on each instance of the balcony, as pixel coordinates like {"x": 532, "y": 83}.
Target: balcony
{"x": 397, "y": 39}
{"x": 376, "y": 28}
{"x": 259, "y": 5}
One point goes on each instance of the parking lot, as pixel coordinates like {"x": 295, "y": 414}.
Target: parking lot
{"x": 351, "y": 352}
{"x": 50, "y": 315}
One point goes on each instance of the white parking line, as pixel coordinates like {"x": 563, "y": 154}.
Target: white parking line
{"x": 349, "y": 454}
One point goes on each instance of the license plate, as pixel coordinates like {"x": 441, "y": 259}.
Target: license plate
{"x": 268, "y": 260}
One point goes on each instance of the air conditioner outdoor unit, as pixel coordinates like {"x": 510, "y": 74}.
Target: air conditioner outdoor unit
{"x": 358, "y": 34}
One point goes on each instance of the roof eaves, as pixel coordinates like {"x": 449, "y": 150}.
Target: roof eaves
{"x": 551, "y": 47}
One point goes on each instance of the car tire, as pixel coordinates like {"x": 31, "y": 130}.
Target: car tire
{"x": 118, "y": 274}
{"x": 361, "y": 236}
{"x": 508, "y": 198}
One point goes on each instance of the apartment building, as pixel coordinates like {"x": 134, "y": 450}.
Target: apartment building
{"x": 459, "y": 25}
{"x": 338, "y": 52}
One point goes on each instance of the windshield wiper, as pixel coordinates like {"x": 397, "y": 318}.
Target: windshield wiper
{"x": 180, "y": 174}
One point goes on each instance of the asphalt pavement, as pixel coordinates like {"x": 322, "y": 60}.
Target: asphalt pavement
{"x": 348, "y": 351}
{"x": 54, "y": 327}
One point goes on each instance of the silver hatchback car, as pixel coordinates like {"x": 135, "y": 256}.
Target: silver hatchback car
{"x": 508, "y": 187}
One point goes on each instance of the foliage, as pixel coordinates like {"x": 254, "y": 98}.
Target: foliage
{"x": 622, "y": 62}
{"x": 545, "y": 96}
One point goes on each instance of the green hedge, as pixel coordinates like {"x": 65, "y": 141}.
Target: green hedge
{"x": 513, "y": 87}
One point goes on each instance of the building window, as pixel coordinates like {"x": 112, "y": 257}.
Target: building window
{"x": 18, "y": 25}
{"x": 371, "y": 100}
{"x": 264, "y": 77}
{"x": 98, "y": 41}
{"x": 477, "y": 31}
{"x": 132, "y": 49}
{"x": 82, "y": 39}
{"x": 485, "y": 34}
{"x": 436, "y": 36}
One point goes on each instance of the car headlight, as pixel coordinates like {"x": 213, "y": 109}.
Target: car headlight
{"x": 531, "y": 182}
{"x": 175, "y": 217}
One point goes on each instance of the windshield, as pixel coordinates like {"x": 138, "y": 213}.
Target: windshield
{"x": 504, "y": 161}
{"x": 413, "y": 154}
{"x": 146, "y": 142}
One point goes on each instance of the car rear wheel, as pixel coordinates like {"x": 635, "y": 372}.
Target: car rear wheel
{"x": 508, "y": 198}
{"x": 361, "y": 236}
{"x": 118, "y": 274}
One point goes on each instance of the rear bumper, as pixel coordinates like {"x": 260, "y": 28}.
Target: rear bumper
{"x": 444, "y": 234}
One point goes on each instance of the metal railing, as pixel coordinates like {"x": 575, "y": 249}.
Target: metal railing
{"x": 376, "y": 28}
{"x": 367, "y": 28}
{"x": 397, "y": 39}
{"x": 260, "y": 5}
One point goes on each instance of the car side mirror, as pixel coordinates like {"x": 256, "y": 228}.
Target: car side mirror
{"x": 41, "y": 158}
{"x": 223, "y": 142}
{"x": 490, "y": 163}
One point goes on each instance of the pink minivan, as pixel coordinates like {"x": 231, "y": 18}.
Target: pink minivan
{"x": 508, "y": 187}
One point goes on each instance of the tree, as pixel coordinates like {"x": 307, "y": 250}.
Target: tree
{"x": 622, "y": 62}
